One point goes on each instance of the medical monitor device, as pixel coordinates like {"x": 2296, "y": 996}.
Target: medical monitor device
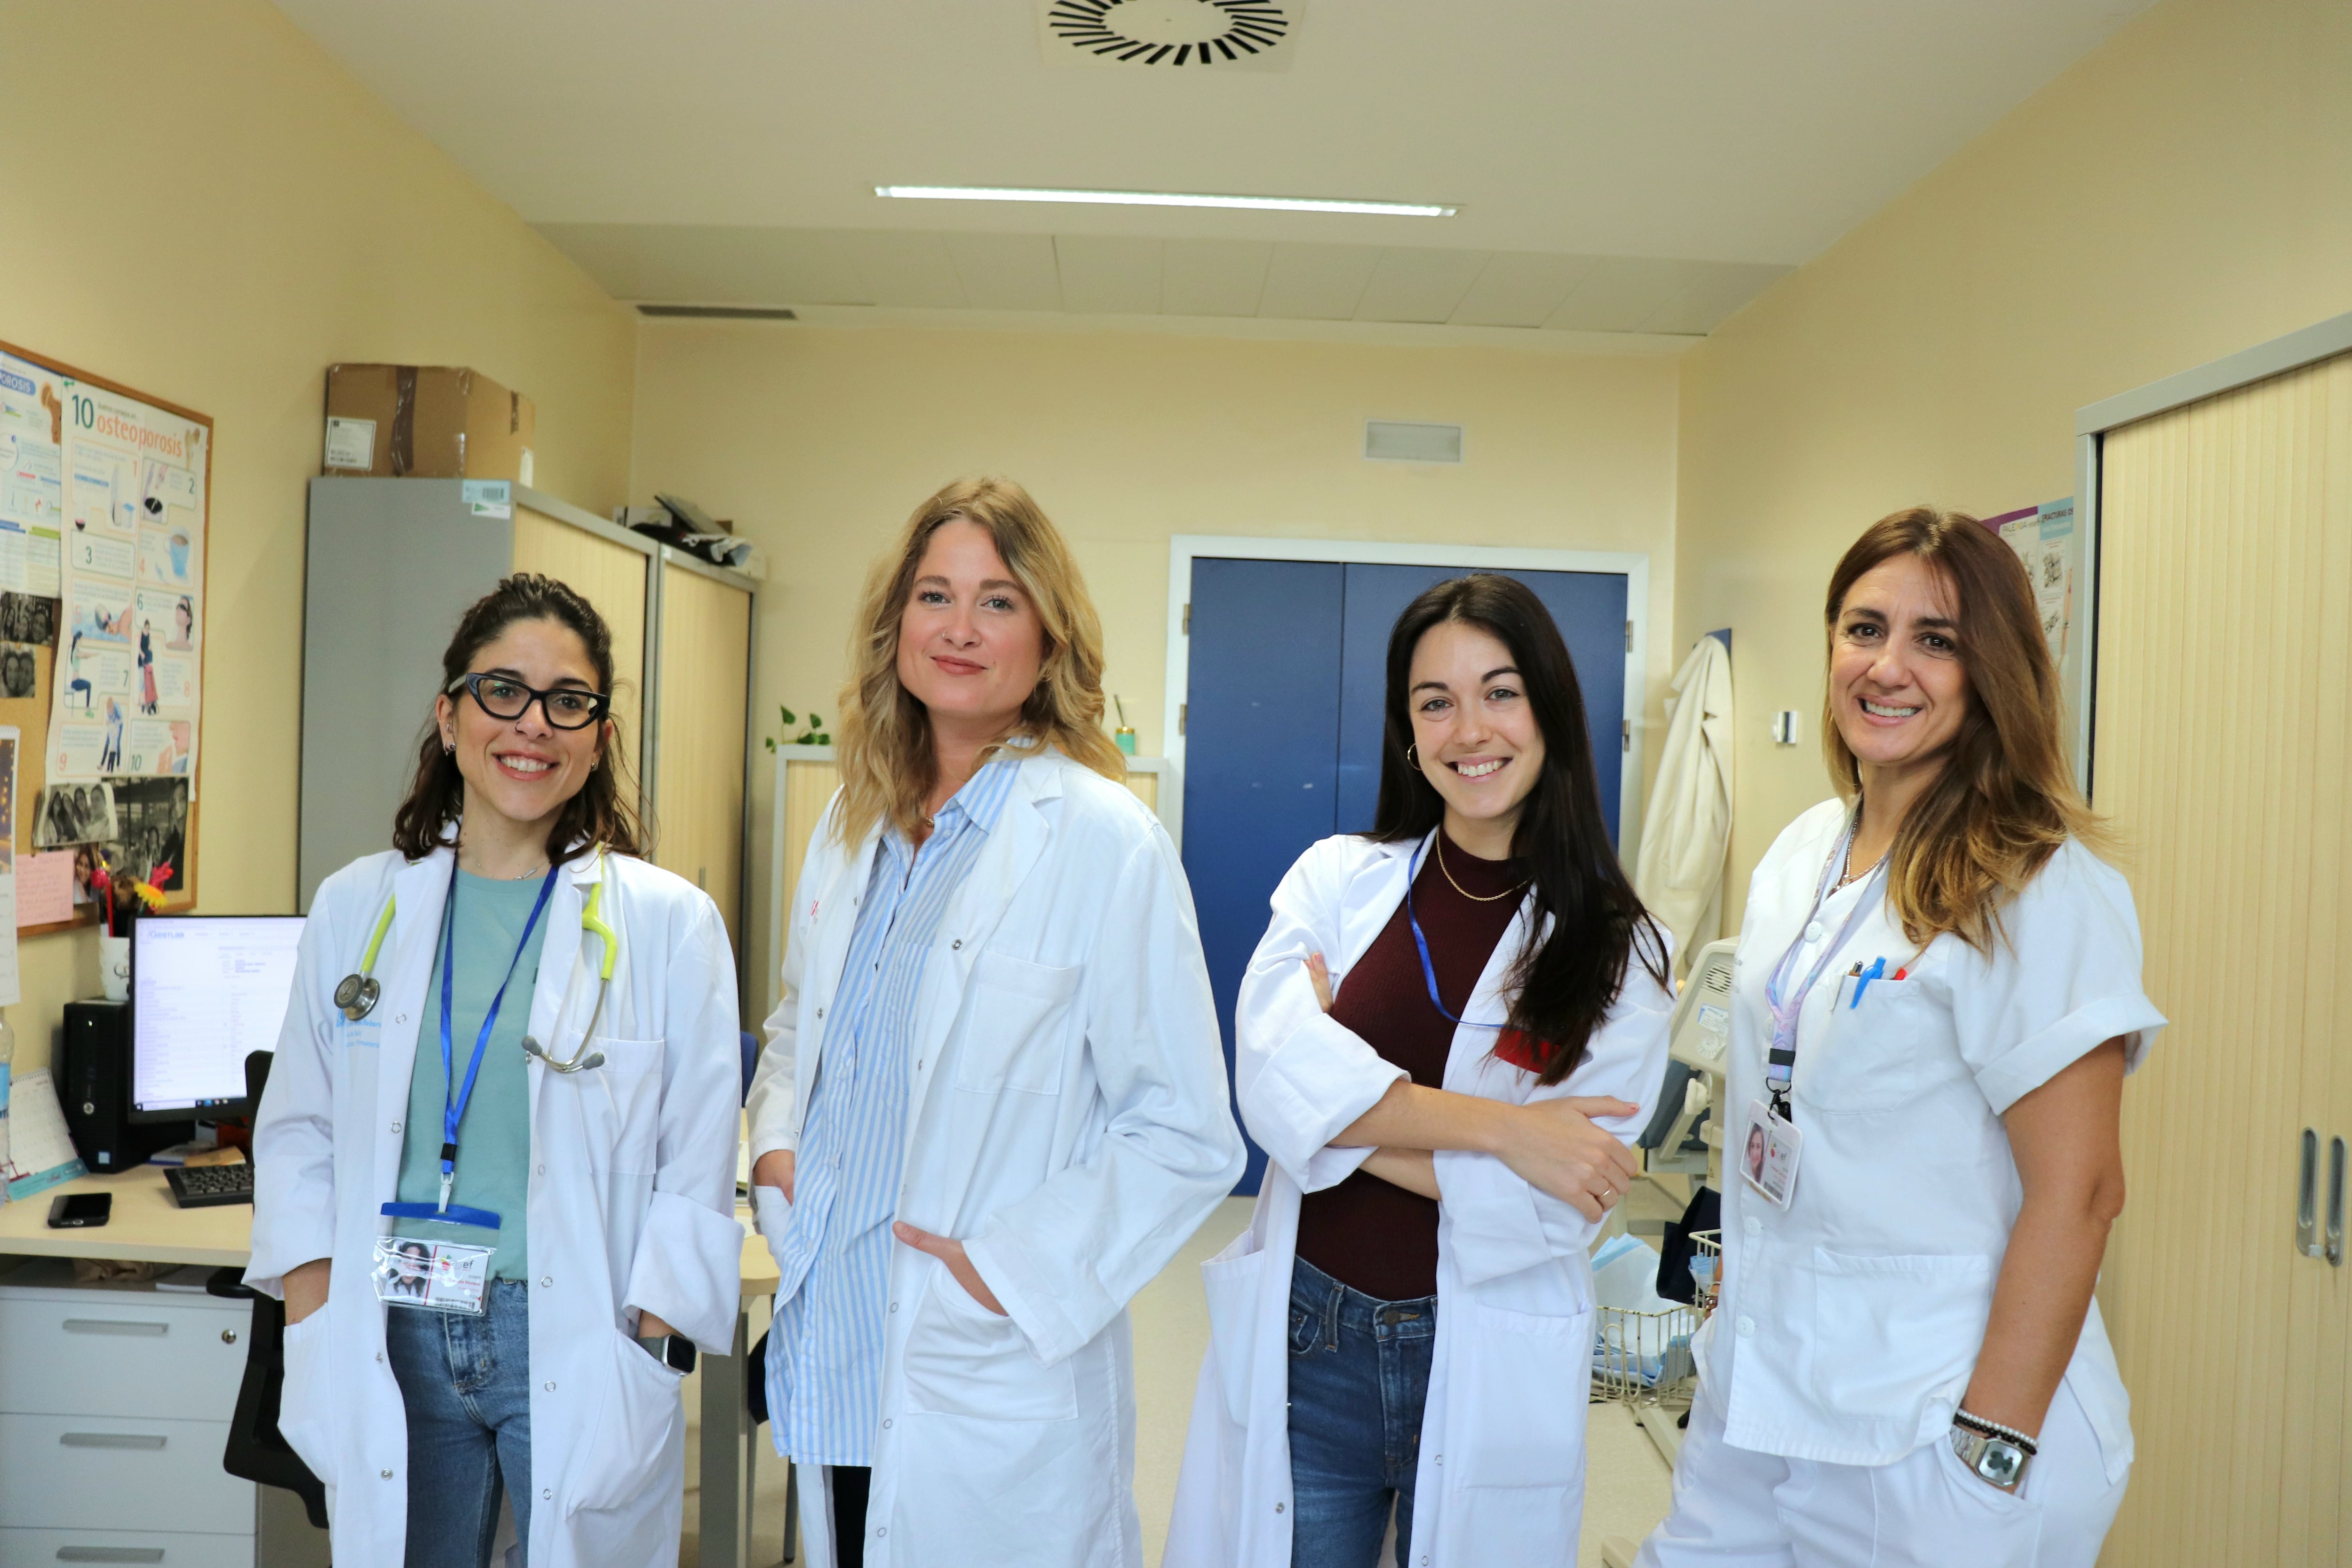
{"x": 1684, "y": 1135}
{"x": 206, "y": 990}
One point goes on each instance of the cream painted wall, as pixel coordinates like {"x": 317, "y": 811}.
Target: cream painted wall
{"x": 219, "y": 236}
{"x": 819, "y": 442}
{"x": 2184, "y": 192}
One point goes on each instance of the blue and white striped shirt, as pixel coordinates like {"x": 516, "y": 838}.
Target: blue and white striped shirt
{"x": 824, "y": 1356}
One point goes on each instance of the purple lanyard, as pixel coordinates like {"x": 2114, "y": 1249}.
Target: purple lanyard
{"x": 1780, "y": 1059}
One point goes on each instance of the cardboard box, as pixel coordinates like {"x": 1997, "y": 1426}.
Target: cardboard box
{"x": 427, "y": 422}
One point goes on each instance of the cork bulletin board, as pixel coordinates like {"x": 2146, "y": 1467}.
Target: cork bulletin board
{"x": 105, "y": 515}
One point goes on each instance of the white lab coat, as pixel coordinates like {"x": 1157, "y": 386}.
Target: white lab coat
{"x": 1687, "y": 828}
{"x": 1067, "y": 1118}
{"x": 1501, "y": 1471}
{"x": 631, "y": 1206}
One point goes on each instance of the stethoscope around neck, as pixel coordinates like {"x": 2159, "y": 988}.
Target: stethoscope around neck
{"x": 357, "y": 993}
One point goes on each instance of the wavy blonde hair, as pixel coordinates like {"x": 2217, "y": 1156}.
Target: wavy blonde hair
{"x": 887, "y": 765}
{"x": 2007, "y": 797}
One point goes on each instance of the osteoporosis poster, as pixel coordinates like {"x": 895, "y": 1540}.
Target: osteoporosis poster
{"x": 102, "y": 507}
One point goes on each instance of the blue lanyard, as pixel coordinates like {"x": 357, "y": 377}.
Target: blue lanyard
{"x": 1429, "y": 970}
{"x": 1786, "y": 1008}
{"x": 453, "y": 1105}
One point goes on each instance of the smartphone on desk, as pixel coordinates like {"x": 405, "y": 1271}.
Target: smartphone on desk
{"x": 75, "y": 1210}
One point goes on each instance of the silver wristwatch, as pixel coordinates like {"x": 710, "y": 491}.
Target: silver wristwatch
{"x": 1996, "y": 1461}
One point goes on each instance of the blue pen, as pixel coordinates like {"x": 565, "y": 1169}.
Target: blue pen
{"x": 1877, "y": 971}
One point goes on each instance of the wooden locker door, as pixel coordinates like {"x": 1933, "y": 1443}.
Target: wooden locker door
{"x": 613, "y": 578}
{"x": 2225, "y": 638}
{"x": 706, "y": 672}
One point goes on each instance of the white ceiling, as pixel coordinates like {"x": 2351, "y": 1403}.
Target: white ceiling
{"x": 1621, "y": 165}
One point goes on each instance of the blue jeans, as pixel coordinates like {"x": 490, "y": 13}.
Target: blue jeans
{"x": 466, "y": 1384}
{"x": 1358, "y": 1378}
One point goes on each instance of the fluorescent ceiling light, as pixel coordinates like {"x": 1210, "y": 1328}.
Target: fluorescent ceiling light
{"x": 1163, "y": 199}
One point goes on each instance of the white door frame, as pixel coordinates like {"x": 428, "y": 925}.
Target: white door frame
{"x": 1183, "y": 548}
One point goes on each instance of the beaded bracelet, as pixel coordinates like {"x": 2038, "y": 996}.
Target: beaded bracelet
{"x": 1995, "y": 1429}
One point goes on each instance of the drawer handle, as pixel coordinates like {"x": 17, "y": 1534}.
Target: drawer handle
{"x": 109, "y": 1554}
{"x": 115, "y": 1326}
{"x": 110, "y": 1440}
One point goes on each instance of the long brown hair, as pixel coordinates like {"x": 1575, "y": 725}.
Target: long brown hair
{"x": 888, "y": 766}
{"x": 1561, "y": 991}
{"x": 603, "y": 811}
{"x": 2006, "y": 799}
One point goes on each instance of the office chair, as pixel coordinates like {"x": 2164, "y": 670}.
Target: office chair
{"x": 256, "y": 1451}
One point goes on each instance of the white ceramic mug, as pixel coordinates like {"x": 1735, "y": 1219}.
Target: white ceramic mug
{"x": 114, "y": 967}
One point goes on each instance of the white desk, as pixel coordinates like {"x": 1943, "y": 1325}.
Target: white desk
{"x": 147, "y": 1227}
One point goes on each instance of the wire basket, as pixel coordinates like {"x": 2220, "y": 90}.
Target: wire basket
{"x": 1642, "y": 1358}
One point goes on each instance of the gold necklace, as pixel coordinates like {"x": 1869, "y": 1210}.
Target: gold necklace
{"x": 1850, "y": 875}
{"x": 1474, "y": 898}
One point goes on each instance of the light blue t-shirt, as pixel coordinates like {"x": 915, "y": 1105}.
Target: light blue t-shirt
{"x": 494, "y": 1139}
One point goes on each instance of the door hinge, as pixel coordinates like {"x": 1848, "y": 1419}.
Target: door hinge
{"x": 1629, "y": 636}
{"x": 1625, "y": 735}
{"x": 1188, "y": 620}
{"x": 1181, "y": 710}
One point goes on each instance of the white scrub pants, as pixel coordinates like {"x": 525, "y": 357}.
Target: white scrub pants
{"x": 1737, "y": 1509}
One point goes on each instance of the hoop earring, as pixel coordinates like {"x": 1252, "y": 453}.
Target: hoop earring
{"x": 1411, "y": 761}
{"x": 448, "y": 747}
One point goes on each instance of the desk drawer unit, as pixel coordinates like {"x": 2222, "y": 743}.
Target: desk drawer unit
{"x": 121, "y": 1353}
{"x": 71, "y": 1472}
{"x": 139, "y": 1548}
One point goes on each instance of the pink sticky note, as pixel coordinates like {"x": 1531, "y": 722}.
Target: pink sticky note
{"x": 45, "y": 888}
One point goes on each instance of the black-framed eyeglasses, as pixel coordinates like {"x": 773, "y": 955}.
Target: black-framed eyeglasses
{"x": 504, "y": 697}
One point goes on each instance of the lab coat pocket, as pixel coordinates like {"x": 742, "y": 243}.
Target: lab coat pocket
{"x": 1009, "y": 1040}
{"x": 964, "y": 1359}
{"x": 1891, "y": 1332}
{"x": 303, "y": 1406}
{"x": 1882, "y": 1055}
{"x": 622, "y": 1103}
{"x": 1529, "y": 1372}
{"x": 625, "y": 1453}
{"x": 1231, "y": 1280}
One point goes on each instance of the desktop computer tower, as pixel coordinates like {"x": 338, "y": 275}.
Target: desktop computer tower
{"x": 93, "y": 1081}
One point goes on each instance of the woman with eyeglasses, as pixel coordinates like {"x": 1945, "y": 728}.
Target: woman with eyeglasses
{"x": 496, "y": 1156}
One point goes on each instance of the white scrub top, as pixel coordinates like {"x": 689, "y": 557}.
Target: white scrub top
{"x": 1850, "y": 1322}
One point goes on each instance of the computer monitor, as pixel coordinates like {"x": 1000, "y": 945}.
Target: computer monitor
{"x": 206, "y": 990}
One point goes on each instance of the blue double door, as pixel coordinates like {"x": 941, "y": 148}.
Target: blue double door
{"x": 1283, "y": 729}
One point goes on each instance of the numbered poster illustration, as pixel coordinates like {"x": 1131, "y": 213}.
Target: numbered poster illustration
{"x": 103, "y": 503}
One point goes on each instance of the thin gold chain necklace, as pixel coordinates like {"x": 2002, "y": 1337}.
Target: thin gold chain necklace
{"x": 1474, "y": 898}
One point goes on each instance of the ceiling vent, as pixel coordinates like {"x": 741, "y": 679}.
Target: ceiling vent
{"x": 1395, "y": 441}
{"x": 1243, "y": 35}
{"x": 720, "y": 313}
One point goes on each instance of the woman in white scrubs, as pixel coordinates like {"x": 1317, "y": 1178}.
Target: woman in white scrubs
{"x": 993, "y": 1103}
{"x": 1408, "y": 1323}
{"x": 1937, "y": 997}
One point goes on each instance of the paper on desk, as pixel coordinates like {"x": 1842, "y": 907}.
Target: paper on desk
{"x": 44, "y": 884}
{"x": 41, "y": 1155}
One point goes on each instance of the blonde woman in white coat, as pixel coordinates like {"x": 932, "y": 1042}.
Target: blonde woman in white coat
{"x": 993, "y": 1102}
{"x": 1408, "y": 1322}
{"x": 1936, "y": 999}
{"x": 604, "y": 1195}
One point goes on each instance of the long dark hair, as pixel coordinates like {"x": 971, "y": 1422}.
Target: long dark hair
{"x": 602, "y": 812}
{"x": 1563, "y": 990}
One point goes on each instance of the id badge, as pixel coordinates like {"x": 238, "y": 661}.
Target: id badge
{"x": 1768, "y": 1159}
{"x": 437, "y": 1275}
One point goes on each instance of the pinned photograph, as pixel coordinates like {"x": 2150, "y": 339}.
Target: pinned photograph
{"x": 18, "y": 669}
{"x": 27, "y": 618}
{"x": 152, "y": 830}
{"x": 75, "y": 814}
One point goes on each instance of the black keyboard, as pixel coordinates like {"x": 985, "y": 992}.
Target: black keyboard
{"x": 207, "y": 1186}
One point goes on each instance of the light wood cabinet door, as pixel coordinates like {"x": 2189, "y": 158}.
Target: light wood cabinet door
{"x": 706, "y": 672}
{"x": 2225, "y": 643}
{"x": 613, "y": 577}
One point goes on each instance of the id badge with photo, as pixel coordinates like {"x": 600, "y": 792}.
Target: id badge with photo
{"x": 1767, "y": 1154}
{"x": 437, "y": 1275}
